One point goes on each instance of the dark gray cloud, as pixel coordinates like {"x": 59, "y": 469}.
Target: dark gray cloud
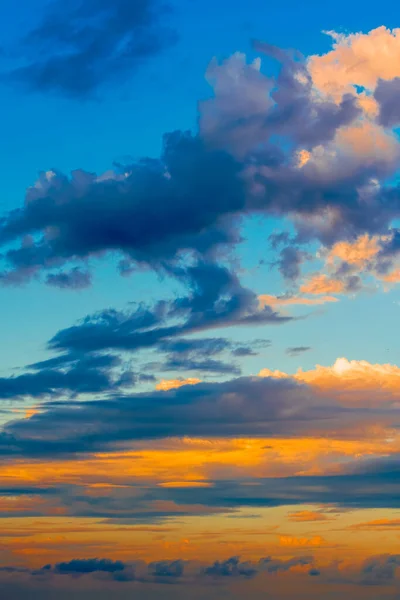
{"x": 205, "y": 366}
{"x": 289, "y": 262}
{"x": 242, "y": 407}
{"x": 167, "y": 571}
{"x": 387, "y": 93}
{"x": 380, "y": 570}
{"x": 296, "y": 350}
{"x": 76, "y": 279}
{"x": 70, "y": 374}
{"x": 150, "y": 212}
{"x": 197, "y": 354}
{"x": 84, "y": 566}
{"x": 80, "y": 46}
{"x": 216, "y": 299}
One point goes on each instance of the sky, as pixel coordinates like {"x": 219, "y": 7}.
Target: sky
{"x": 199, "y": 283}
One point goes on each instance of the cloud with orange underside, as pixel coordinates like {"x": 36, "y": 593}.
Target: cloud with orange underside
{"x": 170, "y": 384}
{"x": 351, "y": 381}
{"x": 193, "y": 464}
{"x": 306, "y": 516}
{"x": 377, "y": 525}
{"x": 297, "y": 542}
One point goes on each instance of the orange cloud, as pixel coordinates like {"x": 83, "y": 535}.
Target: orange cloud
{"x": 303, "y": 156}
{"x": 305, "y": 516}
{"x": 170, "y": 384}
{"x": 292, "y": 541}
{"x": 392, "y": 277}
{"x": 267, "y": 300}
{"x": 377, "y": 525}
{"x": 356, "y": 253}
{"x": 357, "y": 59}
{"x": 364, "y": 140}
{"x": 350, "y": 380}
{"x": 322, "y": 284}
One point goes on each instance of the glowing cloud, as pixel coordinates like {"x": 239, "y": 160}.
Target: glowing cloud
{"x": 170, "y": 384}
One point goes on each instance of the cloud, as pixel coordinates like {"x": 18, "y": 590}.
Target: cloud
{"x": 216, "y": 299}
{"x": 150, "y": 212}
{"x": 334, "y": 400}
{"x": 244, "y": 160}
{"x": 287, "y": 300}
{"x": 161, "y": 571}
{"x": 248, "y": 108}
{"x": 217, "y": 409}
{"x": 379, "y": 570}
{"x": 296, "y": 350}
{"x": 170, "y": 384}
{"x": 307, "y": 516}
{"x": 351, "y": 381}
{"x": 358, "y": 253}
{"x": 74, "y": 279}
{"x": 78, "y": 48}
{"x": 357, "y": 59}
{"x": 231, "y": 568}
{"x": 289, "y": 262}
{"x": 84, "y": 566}
{"x": 376, "y": 525}
{"x": 322, "y": 284}
{"x": 387, "y": 95}
{"x": 68, "y": 374}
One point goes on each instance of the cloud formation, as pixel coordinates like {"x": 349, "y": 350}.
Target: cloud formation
{"x": 283, "y": 146}
{"x": 78, "y": 48}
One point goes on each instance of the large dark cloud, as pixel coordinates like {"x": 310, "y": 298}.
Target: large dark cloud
{"x": 242, "y": 407}
{"x": 190, "y": 200}
{"x": 81, "y": 45}
{"x": 149, "y": 212}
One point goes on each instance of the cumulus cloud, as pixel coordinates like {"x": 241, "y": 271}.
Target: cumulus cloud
{"x": 149, "y": 213}
{"x": 351, "y": 381}
{"x": 357, "y": 59}
{"x": 277, "y": 146}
